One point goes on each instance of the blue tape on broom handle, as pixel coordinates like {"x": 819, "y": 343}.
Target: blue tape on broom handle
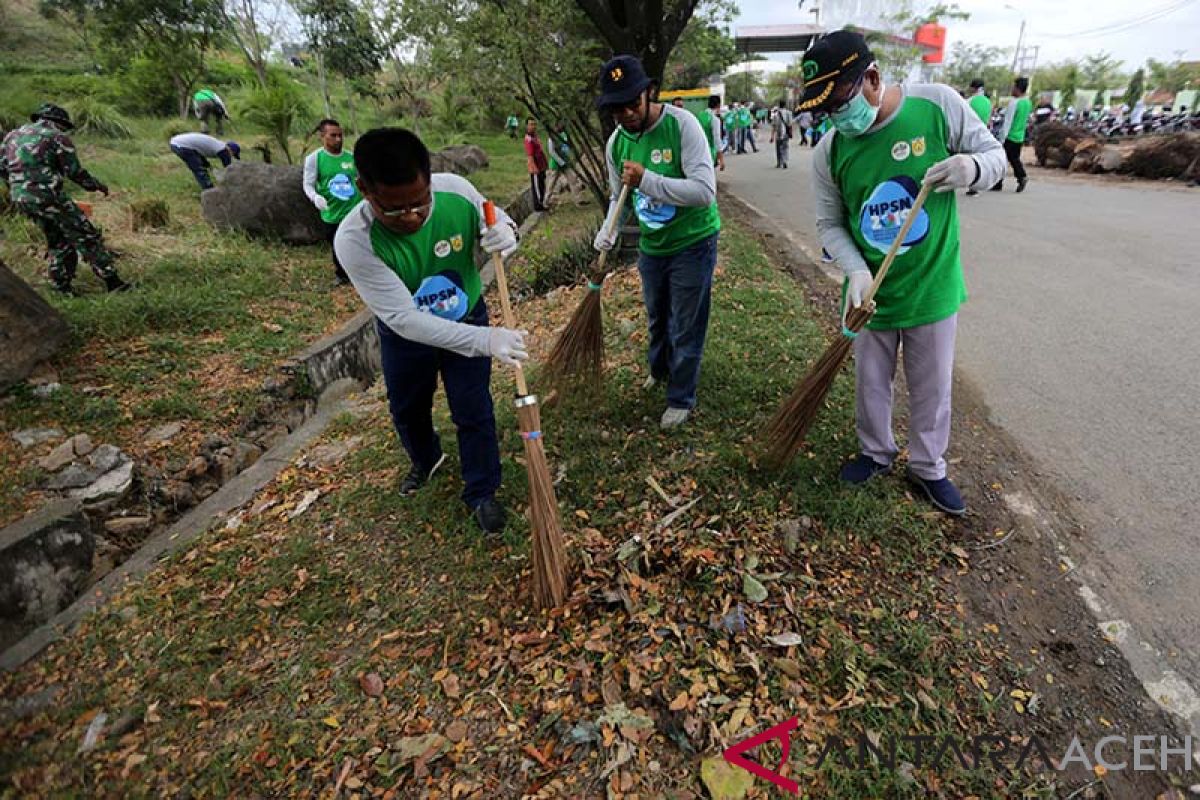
{"x": 531, "y": 435}
{"x": 595, "y": 287}
{"x": 849, "y": 334}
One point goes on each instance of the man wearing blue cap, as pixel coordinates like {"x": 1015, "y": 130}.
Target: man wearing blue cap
{"x": 196, "y": 148}
{"x": 662, "y": 154}
{"x": 887, "y": 140}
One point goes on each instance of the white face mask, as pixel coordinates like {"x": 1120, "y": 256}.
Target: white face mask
{"x": 859, "y": 115}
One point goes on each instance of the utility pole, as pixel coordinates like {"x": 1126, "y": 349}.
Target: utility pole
{"x": 1017, "y": 52}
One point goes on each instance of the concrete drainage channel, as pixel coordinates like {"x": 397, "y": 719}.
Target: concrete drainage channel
{"x": 48, "y": 582}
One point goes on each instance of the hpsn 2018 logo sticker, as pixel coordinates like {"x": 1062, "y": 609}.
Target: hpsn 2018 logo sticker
{"x": 652, "y": 213}
{"x": 884, "y": 213}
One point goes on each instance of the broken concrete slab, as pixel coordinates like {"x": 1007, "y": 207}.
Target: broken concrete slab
{"x": 45, "y": 561}
{"x": 31, "y": 437}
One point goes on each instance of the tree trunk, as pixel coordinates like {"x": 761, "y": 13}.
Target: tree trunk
{"x": 31, "y": 330}
{"x": 324, "y": 84}
{"x": 350, "y": 103}
{"x": 181, "y": 95}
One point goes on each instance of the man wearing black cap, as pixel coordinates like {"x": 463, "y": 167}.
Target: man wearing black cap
{"x": 34, "y": 159}
{"x": 662, "y": 154}
{"x": 887, "y": 140}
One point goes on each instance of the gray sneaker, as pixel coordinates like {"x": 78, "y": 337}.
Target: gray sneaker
{"x": 674, "y": 417}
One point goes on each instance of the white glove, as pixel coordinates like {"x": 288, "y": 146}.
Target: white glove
{"x": 859, "y": 282}
{"x": 507, "y": 345}
{"x": 500, "y": 238}
{"x": 321, "y": 203}
{"x": 956, "y": 172}
{"x": 606, "y": 241}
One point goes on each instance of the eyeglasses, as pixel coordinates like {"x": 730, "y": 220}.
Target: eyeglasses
{"x": 403, "y": 211}
{"x": 854, "y": 89}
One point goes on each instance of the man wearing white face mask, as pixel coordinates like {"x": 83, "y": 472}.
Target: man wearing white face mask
{"x": 887, "y": 140}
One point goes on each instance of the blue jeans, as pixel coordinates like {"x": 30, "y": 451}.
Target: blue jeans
{"x": 677, "y": 290}
{"x": 410, "y": 371}
{"x": 197, "y": 163}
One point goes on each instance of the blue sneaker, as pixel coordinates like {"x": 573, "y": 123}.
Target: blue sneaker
{"x": 942, "y": 493}
{"x": 862, "y": 469}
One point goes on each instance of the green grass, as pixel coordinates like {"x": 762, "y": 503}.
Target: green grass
{"x": 252, "y": 643}
{"x": 212, "y": 314}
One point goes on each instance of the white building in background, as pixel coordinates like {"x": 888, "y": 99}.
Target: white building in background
{"x": 765, "y": 67}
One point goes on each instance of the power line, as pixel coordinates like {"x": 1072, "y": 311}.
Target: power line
{"x": 1124, "y": 25}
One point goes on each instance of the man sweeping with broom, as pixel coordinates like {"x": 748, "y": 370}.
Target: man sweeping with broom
{"x": 409, "y": 251}
{"x": 661, "y": 153}
{"x": 887, "y": 140}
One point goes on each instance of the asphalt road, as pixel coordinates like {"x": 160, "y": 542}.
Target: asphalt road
{"x": 1083, "y": 334}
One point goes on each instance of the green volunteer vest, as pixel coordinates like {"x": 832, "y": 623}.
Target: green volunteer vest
{"x": 743, "y": 118}
{"x": 706, "y": 121}
{"x": 336, "y": 176}
{"x": 204, "y": 94}
{"x": 437, "y": 263}
{"x": 982, "y": 107}
{"x": 665, "y": 229}
{"x": 879, "y": 175}
{"x": 1020, "y": 117}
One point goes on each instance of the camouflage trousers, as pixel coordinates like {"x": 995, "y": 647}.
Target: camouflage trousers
{"x": 69, "y": 233}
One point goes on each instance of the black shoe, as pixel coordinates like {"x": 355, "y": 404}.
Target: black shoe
{"x": 491, "y": 516}
{"x": 972, "y": 192}
{"x": 941, "y": 493}
{"x": 115, "y": 284}
{"x": 862, "y": 469}
{"x": 416, "y": 477}
{"x": 999, "y": 187}
{"x": 66, "y": 289}
{"x": 1021, "y": 184}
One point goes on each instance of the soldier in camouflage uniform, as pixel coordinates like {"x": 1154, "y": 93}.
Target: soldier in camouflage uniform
{"x": 34, "y": 159}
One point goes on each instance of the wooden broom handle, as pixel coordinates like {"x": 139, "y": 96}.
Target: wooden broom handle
{"x": 612, "y": 224}
{"x": 897, "y": 243}
{"x": 510, "y": 319}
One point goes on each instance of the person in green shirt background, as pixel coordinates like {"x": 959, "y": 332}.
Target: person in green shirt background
{"x": 1016, "y": 116}
{"x": 745, "y": 122}
{"x": 660, "y": 152}
{"x": 511, "y": 124}
{"x": 208, "y": 105}
{"x": 330, "y": 182}
{"x": 729, "y": 121}
{"x": 886, "y": 142}
{"x": 982, "y": 106}
{"x": 710, "y": 122}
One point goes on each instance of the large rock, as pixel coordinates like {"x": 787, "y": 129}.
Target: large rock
{"x": 263, "y": 200}
{"x": 45, "y": 562}
{"x": 30, "y": 329}
{"x": 462, "y": 159}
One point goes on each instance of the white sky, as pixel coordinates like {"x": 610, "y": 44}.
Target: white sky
{"x": 1056, "y": 25}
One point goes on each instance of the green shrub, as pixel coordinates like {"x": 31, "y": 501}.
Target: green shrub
{"x": 100, "y": 119}
{"x": 280, "y": 110}
{"x": 146, "y": 90}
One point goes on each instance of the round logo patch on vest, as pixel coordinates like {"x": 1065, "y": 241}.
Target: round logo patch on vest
{"x": 656, "y": 156}
{"x": 884, "y": 213}
{"x": 900, "y": 150}
{"x": 341, "y": 187}
{"x": 442, "y": 296}
{"x": 441, "y": 249}
{"x": 652, "y": 213}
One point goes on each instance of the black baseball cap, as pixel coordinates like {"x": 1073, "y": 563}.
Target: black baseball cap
{"x": 622, "y": 80}
{"x": 977, "y": 83}
{"x": 839, "y": 57}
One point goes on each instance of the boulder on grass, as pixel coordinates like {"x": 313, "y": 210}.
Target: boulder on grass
{"x": 264, "y": 200}
{"x": 30, "y": 329}
{"x": 462, "y": 159}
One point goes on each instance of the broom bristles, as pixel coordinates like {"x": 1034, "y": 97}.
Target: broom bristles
{"x": 579, "y": 352}
{"x": 786, "y": 431}
{"x": 549, "y": 559}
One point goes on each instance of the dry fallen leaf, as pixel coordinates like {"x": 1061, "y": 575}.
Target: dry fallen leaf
{"x": 371, "y": 684}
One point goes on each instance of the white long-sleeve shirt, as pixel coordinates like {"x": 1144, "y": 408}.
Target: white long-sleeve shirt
{"x": 310, "y": 175}
{"x": 387, "y": 296}
{"x": 965, "y": 134}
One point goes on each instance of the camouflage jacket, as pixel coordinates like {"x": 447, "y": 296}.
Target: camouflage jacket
{"x": 35, "y": 158}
